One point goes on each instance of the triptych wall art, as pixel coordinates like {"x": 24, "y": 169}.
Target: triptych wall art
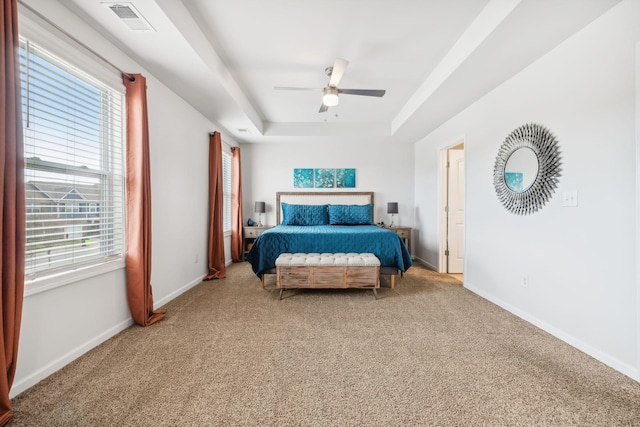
{"x": 324, "y": 178}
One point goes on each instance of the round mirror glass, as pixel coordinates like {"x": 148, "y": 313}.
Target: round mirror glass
{"x": 521, "y": 169}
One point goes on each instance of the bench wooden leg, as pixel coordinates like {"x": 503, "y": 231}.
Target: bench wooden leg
{"x": 262, "y": 280}
{"x": 393, "y": 280}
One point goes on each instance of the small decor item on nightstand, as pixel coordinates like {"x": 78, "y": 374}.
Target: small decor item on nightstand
{"x": 392, "y": 208}
{"x": 260, "y": 208}
{"x": 251, "y": 222}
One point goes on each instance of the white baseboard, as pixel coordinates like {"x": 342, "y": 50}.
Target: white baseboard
{"x": 178, "y": 292}
{"x": 628, "y": 370}
{"x": 61, "y": 362}
{"x": 39, "y": 375}
{"x": 426, "y": 264}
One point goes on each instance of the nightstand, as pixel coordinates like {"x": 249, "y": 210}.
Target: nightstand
{"x": 404, "y": 233}
{"x": 249, "y": 235}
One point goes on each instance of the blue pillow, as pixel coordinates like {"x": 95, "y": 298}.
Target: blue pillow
{"x": 304, "y": 214}
{"x": 351, "y": 214}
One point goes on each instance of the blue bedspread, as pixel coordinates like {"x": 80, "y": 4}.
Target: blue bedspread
{"x": 383, "y": 243}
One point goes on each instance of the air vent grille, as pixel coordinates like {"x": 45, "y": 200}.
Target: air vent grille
{"x": 124, "y": 12}
{"x": 130, "y": 16}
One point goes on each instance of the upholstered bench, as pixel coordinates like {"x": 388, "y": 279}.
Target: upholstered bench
{"x": 339, "y": 270}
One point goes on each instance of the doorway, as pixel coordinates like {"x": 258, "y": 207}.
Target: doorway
{"x": 452, "y": 210}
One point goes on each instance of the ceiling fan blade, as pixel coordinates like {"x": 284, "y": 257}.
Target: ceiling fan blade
{"x": 339, "y": 67}
{"x": 364, "y": 92}
{"x": 296, "y": 88}
{"x": 323, "y": 109}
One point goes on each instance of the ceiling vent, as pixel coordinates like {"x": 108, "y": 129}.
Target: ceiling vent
{"x": 130, "y": 16}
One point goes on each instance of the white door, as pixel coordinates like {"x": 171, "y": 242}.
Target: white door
{"x": 455, "y": 217}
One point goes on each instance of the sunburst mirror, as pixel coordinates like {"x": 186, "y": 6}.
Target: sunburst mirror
{"x": 527, "y": 168}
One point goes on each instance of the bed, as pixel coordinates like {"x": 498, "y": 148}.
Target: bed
{"x": 327, "y": 222}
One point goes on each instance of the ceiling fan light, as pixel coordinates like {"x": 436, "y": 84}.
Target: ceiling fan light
{"x": 330, "y": 96}
{"x": 330, "y": 100}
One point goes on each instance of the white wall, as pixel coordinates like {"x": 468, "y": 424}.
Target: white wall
{"x": 580, "y": 262}
{"x": 383, "y": 168}
{"x": 61, "y": 324}
{"x": 179, "y": 154}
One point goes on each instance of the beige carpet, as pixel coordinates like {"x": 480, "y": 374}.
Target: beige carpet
{"x": 427, "y": 353}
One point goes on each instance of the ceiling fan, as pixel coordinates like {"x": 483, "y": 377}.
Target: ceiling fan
{"x": 331, "y": 91}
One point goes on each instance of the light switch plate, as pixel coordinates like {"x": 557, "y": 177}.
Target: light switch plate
{"x": 570, "y": 198}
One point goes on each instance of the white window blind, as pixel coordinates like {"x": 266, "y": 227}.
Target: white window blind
{"x": 226, "y": 183}
{"x": 73, "y": 144}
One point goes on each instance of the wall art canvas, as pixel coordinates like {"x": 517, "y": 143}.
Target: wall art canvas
{"x": 346, "y": 178}
{"x": 303, "y": 178}
{"x": 325, "y": 178}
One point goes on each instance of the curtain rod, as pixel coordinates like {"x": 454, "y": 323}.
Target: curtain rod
{"x": 129, "y": 76}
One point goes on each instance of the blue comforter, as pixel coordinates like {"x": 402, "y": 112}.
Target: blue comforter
{"x": 383, "y": 243}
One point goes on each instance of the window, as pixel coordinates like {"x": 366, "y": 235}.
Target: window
{"x": 226, "y": 184}
{"x": 74, "y": 166}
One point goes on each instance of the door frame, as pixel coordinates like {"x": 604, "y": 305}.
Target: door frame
{"x": 443, "y": 191}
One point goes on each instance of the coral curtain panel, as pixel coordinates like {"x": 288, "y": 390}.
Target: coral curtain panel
{"x": 236, "y": 207}
{"x": 217, "y": 268}
{"x": 138, "y": 234}
{"x": 12, "y": 197}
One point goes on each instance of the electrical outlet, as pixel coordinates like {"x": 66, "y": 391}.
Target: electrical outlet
{"x": 196, "y": 259}
{"x": 570, "y": 198}
{"x": 525, "y": 281}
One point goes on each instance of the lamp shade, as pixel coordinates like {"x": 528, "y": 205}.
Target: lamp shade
{"x": 392, "y": 207}
{"x": 259, "y": 207}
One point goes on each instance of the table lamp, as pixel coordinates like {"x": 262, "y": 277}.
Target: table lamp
{"x": 392, "y": 208}
{"x": 260, "y": 209}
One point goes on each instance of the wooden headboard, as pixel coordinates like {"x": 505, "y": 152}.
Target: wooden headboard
{"x": 321, "y": 198}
